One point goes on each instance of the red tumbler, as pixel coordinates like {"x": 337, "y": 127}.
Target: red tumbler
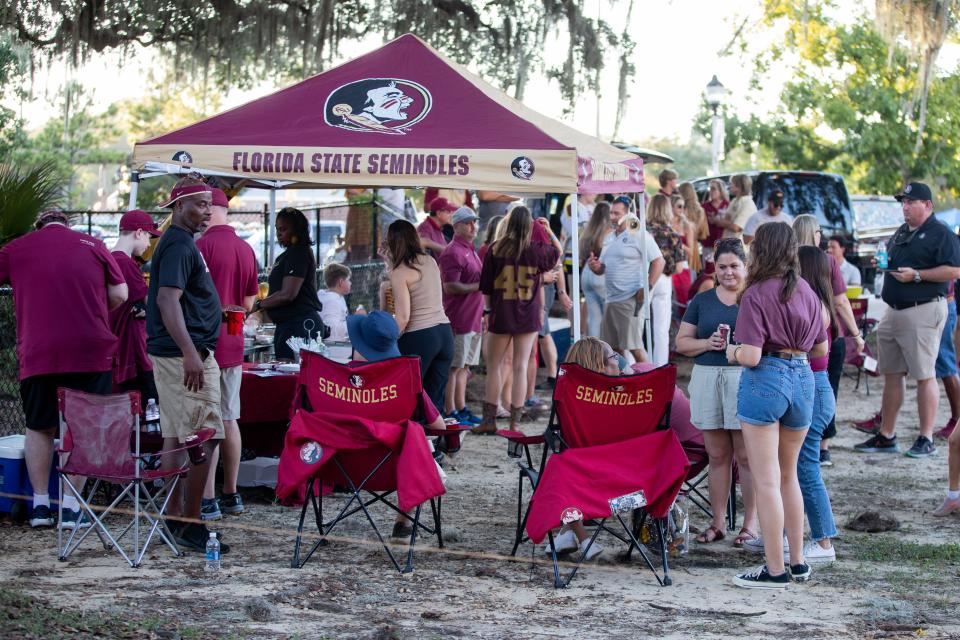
{"x": 234, "y": 323}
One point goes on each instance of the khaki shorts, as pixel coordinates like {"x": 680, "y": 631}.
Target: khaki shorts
{"x": 230, "y": 392}
{"x": 183, "y": 412}
{"x": 713, "y": 397}
{"x": 466, "y": 350}
{"x": 622, "y": 326}
{"x": 909, "y": 339}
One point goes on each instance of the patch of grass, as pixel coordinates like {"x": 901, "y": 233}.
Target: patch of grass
{"x": 27, "y": 617}
{"x": 884, "y": 549}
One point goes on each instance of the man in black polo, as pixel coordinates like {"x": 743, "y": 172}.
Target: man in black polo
{"x": 183, "y": 325}
{"x": 924, "y": 256}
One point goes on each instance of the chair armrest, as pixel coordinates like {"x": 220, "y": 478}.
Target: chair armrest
{"x": 520, "y": 438}
{"x": 202, "y": 436}
{"x": 449, "y": 429}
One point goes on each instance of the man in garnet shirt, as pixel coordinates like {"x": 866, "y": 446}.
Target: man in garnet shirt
{"x": 64, "y": 282}
{"x": 132, "y": 369}
{"x": 233, "y": 268}
{"x": 431, "y": 229}
{"x": 463, "y": 303}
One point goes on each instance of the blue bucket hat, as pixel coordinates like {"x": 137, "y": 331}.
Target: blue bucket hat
{"x": 374, "y": 335}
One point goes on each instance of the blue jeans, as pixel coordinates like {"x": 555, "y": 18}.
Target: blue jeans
{"x": 776, "y": 390}
{"x": 947, "y": 358}
{"x": 595, "y": 292}
{"x": 816, "y": 500}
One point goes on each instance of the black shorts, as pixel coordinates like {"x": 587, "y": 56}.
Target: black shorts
{"x": 39, "y": 394}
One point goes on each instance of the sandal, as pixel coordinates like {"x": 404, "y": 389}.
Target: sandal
{"x": 744, "y": 535}
{"x": 717, "y": 535}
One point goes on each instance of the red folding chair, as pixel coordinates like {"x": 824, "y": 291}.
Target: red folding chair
{"x": 100, "y": 439}
{"x": 363, "y": 413}
{"x": 596, "y": 419}
{"x": 858, "y": 360}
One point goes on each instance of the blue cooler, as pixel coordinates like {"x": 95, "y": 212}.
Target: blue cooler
{"x": 14, "y": 481}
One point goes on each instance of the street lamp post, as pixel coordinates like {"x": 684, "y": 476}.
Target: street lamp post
{"x": 715, "y": 94}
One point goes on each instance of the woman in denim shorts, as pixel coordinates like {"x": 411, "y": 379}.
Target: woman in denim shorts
{"x": 815, "y": 269}
{"x": 779, "y": 326}
{"x": 713, "y": 388}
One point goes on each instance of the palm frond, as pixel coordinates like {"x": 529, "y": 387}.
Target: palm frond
{"x": 25, "y": 192}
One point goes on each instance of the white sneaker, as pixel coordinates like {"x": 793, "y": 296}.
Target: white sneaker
{"x": 815, "y": 554}
{"x": 756, "y": 546}
{"x": 564, "y": 543}
{"x": 595, "y": 549}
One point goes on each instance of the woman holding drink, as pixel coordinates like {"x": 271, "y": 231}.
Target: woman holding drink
{"x": 707, "y": 325}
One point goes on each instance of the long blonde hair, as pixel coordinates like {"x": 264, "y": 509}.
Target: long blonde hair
{"x": 588, "y": 352}
{"x": 660, "y": 210}
{"x": 695, "y": 212}
{"x": 806, "y": 226}
{"x": 592, "y": 239}
{"x": 517, "y": 232}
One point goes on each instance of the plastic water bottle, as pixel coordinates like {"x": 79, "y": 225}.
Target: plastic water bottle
{"x": 882, "y": 255}
{"x": 153, "y": 411}
{"x": 212, "y": 562}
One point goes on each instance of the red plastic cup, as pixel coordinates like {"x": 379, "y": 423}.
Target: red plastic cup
{"x": 234, "y": 323}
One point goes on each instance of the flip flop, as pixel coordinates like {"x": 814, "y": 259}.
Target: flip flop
{"x": 744, "y": 535}
{"x": 717, "y": 535}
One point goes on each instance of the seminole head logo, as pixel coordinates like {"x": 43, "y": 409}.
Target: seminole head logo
{"x": 382, "y": 105}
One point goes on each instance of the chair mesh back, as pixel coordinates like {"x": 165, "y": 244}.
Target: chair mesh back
{"x": 98, "y": 432}
{"x": 387, "y": 391}
{"x": 595, "y": 409}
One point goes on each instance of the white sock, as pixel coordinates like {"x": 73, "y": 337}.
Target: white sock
{"x": 953, "y": 495}
{"x": 41, "y": 500}
{"x": 71, "y": 503}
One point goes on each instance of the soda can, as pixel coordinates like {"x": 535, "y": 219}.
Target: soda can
{"x": 724, "y": 330}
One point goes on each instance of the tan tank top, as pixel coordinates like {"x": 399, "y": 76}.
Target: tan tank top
{"x": 426, "y": 297}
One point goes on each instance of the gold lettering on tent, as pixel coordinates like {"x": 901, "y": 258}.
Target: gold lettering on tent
{"x": 329, "y": 162}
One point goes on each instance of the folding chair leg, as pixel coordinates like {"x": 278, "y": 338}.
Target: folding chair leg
{"x": 436, "y": 504}
{"x": 413, "y": 540}
{"x": 732, "y": 506}
{"x": 634, "y": 534}
{"x": 518, "y": 534}
{"x": 562, "y": 583}
{"x": 295, "y": 561}
{"x": 667, "y": 580}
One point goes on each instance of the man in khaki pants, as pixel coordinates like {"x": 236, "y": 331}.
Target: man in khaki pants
{"x": 183, "y": 324}
{"x": 924, "y": 256}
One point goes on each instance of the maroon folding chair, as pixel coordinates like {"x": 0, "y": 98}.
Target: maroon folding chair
{"x": 596, "y": 419}
{"x": 100, "y": 439}
{"x": 352, "y": 405}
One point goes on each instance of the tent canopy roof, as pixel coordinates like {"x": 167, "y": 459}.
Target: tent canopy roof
{"x": 401, "y": 115}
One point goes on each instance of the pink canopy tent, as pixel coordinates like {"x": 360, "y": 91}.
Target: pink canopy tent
{"x": 402, "y": 115}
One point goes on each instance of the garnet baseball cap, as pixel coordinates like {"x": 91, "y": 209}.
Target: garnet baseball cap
{"x": 915, "y": 191}
{"x": 220, "y": 199}
{"x": 441, "y": 204}
{"x": 182, "y": 192}
{"x": 137, "y": 219}
{"x": 464, "y": 214}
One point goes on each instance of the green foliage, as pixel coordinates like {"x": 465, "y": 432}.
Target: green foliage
{"x": 850, "y": 108}
{"x": 25, "y": 192}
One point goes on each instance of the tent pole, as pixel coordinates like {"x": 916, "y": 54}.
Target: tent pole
{"x": 134, "y": 187}
{"x": 575, "y": 279}
{"x": 647, "y": 328}
{"x": 272, "y": 226}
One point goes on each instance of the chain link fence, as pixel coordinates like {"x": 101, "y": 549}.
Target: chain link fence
{"x": 11, "y": 410}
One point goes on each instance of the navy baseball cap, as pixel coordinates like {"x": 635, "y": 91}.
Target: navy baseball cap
{"x": 374, "y": 335}
{"x": 915, "y": 191}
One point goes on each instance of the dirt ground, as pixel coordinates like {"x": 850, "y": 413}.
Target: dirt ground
{"x": 895, "y": 584}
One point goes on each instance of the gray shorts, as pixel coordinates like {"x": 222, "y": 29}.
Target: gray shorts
{"x": 230, "y": 392}
{"x": 466, "y": 350}
{"x": 713, "y": 397}
{"x": 549, "y": 296}
{"x": 622, "y": 326}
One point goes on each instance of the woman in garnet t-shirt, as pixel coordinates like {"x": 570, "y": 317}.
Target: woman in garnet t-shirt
{"x": 510, "y": 283}
{"x": 779, "y": 323}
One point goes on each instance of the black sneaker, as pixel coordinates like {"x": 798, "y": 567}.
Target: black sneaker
{"x": 41, "y": 517}
{"x": 210, "y": 509}
{"x": 231, "y": 503}
{"x": 825, "y": 460}
{"x": 922, "y": 448}
{"x": 760, "y": 578}
{"x": 73, "y": 519}
{"x": 800, "y": 572}
{"x": 193, "y": 537}
{"x": 878, "y": 444}
{"x": 401, "y": 530}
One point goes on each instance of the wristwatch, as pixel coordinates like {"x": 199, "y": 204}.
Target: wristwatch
{"x": 916, "y": 275}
